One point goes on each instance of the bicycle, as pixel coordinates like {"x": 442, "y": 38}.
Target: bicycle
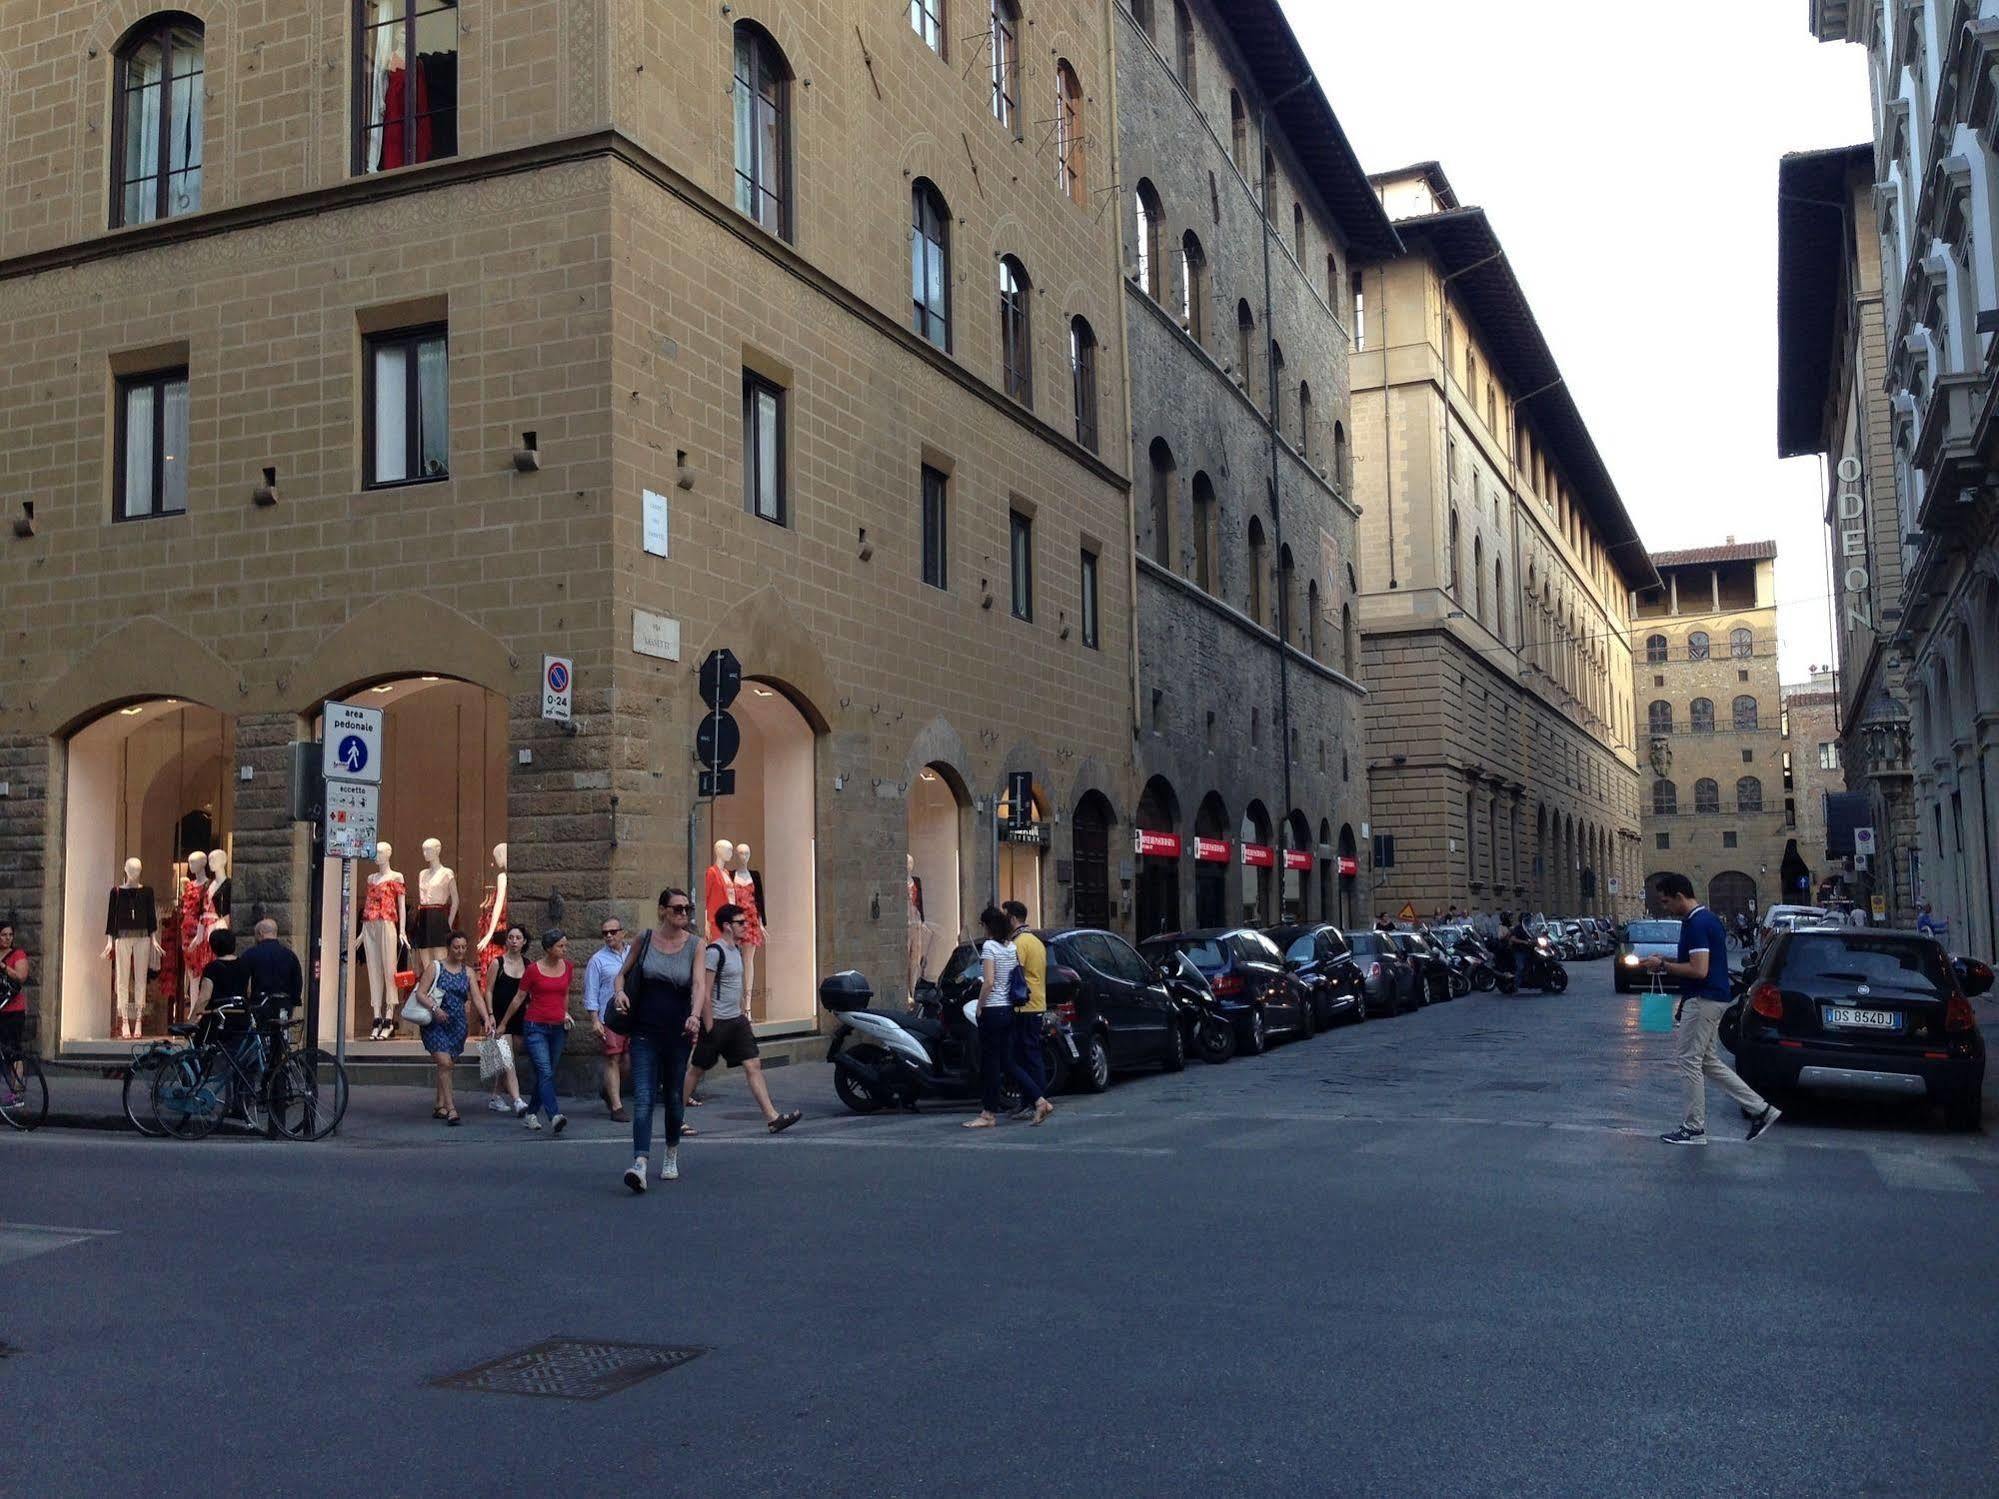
{"x": 277, "y": 1089}
{"x": 306, "y": 1089}
{"x": 137, "y": 1094}
{"x": 24, "y": 1092}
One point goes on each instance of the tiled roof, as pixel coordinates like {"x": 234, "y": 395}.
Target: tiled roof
{"x": 1748, "y": 551}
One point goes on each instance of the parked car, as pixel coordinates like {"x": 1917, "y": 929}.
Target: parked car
{"x": 1389, "y": 978}
{"x": 1650, "y": 938}
{"x": 1322, "y": 960}
{"x": 1862, "y": 1010}
{"x": 1245, "y": 968}
{"x": 1430, "y": 965}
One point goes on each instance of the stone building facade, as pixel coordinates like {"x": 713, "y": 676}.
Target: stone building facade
{"x": 411, "y": 353}
{"x": 1833, "y": 403}
{"x": 1812, "y": 762}
{"x": 1935, "y": 168}
{"x": 1497, "y": 561}
{"x": 1242, "y": 217}
{"x": 1720, "y": 803}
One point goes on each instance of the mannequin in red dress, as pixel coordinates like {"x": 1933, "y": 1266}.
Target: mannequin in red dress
{"x": 718, "y": 886}
{"x": 193, "y": 936}
{"x": 744, "y": 887}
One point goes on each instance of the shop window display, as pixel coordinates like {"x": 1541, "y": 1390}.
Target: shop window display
{"x": 934, "y": 865}
{"x": 1020, "y": 856}
{"x": 147, "y": 813}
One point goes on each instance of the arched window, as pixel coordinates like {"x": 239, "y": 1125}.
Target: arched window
{"x": 1700, "y": 715}
{"x": 1478, "y": 578}
{"x": 1183, "y": 25}
{"x": 1707, "y": 796}
{"x": 1342, "y": 459}
{"x": 1083, "y": 380}
{"x": 1151, "y": 239}
{"x": 1287, "y": 595}
{"x": 1659, "y": 717}
{"x": 763, "y": 130}
{"x": 1194, "y": 287}
{"x": 1655, "y": 650}
{"x": 1204, "y": 534}
{"x": 1349, "y": 643}
{"x": 1665, "y": 799}
{"x": 1697, "y": 649}
{"x": 1161, "y": 547}
{"x": 1006, "y": 65}
{"x": 1141, "y": 12}
{"x": 1256, "y": 567}
{"x": 1305, "y": 419}
{"x": 1741, "y": 644}
{"x": 1016, "y": 330}
{"x": 1451, "y": 552}
{"x": 1069, "y": 131}
{"x": 1269, "y": 183}
{"x": 405, "y": 83}
{"x": 156, "y": 145}
{"x": 1238, "y": 134}
{"x": 1298, "y": 231}
{"x": 1749, "y": 794}
{"x": 930, "y": 262}
{"x": 1312, "y": 621}
{"x": 1277, "y": 385}
{"x": 1745, "y": 713}
{"x": 1245, "y": 343}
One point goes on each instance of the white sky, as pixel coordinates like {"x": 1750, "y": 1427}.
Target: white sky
{"x": 1628, "y": 158}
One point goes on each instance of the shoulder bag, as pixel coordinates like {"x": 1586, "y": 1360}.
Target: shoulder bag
{"x": 622, "y": 1020}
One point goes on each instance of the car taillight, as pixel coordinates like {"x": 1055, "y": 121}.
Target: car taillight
{"x": 1958, "y": 1014}
{"x": 1767, "y": 1000}
{"x": 1229, "y": 985}
{"x": 1067, "y": 1010}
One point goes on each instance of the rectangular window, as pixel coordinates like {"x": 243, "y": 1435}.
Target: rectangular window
{"x": 1728, "y": 840}
{"x": 1022, "y": 549}
{"x": 406, "y": 408}
{"x": 151, "y": 476}
{"x": 926, "y": 18}
{"x": 1090, "y": 600}
{"x": 1662, "y": 840}
{"x": 1828, "y": 757}
{"x": 405, "y": 82}
{"x": 763, "y": 450}
{"x": 936, "y": 528}
{"x": 1384, "y": 850}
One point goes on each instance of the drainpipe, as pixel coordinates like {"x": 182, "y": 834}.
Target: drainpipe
{"x": 1111, "y": 113}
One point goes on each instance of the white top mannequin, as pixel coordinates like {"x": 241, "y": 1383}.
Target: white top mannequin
{"x": 499, "y": 897}
{"x": 218, "y": 878}
{"x": 436, "y": 885}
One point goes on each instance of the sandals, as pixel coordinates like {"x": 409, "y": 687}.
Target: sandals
{"x": 780, "y": 1124}
{"x": 453, "y": 1119}
{"x": 984, "y": 1121}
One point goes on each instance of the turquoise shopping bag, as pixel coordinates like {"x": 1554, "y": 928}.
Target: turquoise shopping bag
{"x": 1655, "y": 1010}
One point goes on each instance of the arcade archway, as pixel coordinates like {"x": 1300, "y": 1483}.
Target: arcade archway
{"x": 935, "y": 916}
{"x": 1158, "y": 891}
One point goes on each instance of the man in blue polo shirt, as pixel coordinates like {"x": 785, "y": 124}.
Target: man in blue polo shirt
{"x": 1702, "y": 969}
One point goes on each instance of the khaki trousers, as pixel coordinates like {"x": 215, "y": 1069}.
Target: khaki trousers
{"x": 128, "y": 974}
{"x": 1696, "y": 1023}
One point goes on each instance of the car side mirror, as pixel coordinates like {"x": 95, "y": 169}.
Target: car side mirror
{"x": 1973, "y": 976}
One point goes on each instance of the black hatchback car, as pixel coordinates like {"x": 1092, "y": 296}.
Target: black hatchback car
{"x": 1860, "y": 1010}
{"x": 1324, "y": 963}
{"x": 1124, "y": 1017}
{"x": 1246, "y": 969}
{"x": 1389, "y": 979}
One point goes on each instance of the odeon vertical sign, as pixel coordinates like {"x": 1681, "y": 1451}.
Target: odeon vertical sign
{"x": 1850, "y": 518}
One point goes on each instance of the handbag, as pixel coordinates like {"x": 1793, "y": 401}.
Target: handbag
{"x": 1655, "y": 1010}
{"x": 416, "y": 1012}
{"x": 495, "y": 1057}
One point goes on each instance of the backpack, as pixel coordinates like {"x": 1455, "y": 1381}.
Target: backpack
{"x": 1017, "y": 993}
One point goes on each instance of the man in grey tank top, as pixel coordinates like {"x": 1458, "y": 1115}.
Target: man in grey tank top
{"x": 729, "y": 1036}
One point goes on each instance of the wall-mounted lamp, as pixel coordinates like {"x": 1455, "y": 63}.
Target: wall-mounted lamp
{"x": 867, "y": 548}
{"x": 527, "y": 457}
{"x": 683, "y": 471}
{"x": 24, "y": 523}
{"x": 985, "y": 594}
{"x": 266, "y": 494}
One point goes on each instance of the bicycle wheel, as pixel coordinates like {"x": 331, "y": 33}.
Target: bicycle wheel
{"x": 190, "y": 1094}
{"x": 24, "y": 1092}
{"x": 307, "y": 1096}
{"x": 138, "y": 1092}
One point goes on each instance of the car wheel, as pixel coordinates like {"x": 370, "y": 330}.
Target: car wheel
{"x": 1255, "y": 1038}
{"x": 1095, "y": 1074}
{"x": 1176, "y": 1048}
{"x": 1215, "y": 1041}
{"x": 1965, "y": 1112}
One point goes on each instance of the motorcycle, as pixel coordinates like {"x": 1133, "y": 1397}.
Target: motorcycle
{"x": 1538, "y": 968}
{"x": 1209, "y": 1032}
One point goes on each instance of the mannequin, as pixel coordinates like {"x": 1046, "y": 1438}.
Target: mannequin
{"x": 919, "y": 932}
{"x": 718, "y": 884}
{"x": 748, "y": 892}
{"x": 216, "y": 908}
{"x": 437, "y": 906}
{"x": 193, "y": 944}
{"x": 383, "y": 915}
{"x": 131, "y": 924}
{"x": 493, "y": 909}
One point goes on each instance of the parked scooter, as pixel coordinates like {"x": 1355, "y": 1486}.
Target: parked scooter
{"x": 1209, "y": 1031}
{"x": 1539, "y": 969}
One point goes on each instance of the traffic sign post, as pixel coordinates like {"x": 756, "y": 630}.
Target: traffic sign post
{"x": 717, "y": 738}
{"x": 350, "y": 757}
{"x": 558, "y": 688}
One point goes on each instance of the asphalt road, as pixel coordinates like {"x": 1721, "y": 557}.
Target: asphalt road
{"x": 1441, "y": 1254}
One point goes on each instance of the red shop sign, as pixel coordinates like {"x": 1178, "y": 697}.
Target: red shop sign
{"x": 1211, "y": 850}
{"x": 1259, "y": 855}
{"x": 1158, "y": 845}
{"x": 1297, "y": 858}
{"x": 1349, "y": 865}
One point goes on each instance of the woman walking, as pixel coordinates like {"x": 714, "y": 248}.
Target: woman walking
{"x": 546, "y": 985}
{"x": 505, "y": 1002}
{"x": 997, "y": 961}
{"x": 451, "y": 989}
{"x": 655, "y": 987}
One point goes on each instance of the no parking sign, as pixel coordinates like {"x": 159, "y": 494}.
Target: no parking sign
{"x": 558, "y": 687}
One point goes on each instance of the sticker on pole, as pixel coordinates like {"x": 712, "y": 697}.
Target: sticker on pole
{"x": 352, "y": 817}
{"x": 558, "y": 687}
{"x": 351, "y": 743}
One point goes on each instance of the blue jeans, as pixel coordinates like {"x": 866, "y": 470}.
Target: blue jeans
{"x": 1030, "y": 1062}
{"x": 996, "y": 1058}
{"x": 545, "y": 1044}
{"x": 658, "y": 1062}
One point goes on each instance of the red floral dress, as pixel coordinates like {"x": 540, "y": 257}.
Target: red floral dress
{"x": 197, "y": 920}
{"x": 746, "y": 897}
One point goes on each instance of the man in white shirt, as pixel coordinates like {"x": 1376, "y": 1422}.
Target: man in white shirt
{"x": 600, "y": 978}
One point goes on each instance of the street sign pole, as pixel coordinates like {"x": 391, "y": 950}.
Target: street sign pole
{"x": 340, "y": 991}
{"x": 351, "y": 758}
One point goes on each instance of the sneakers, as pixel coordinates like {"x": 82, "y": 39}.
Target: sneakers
{"x": 534, "y": 1121}
{"x": 1687, "y": 1137}
{"x": 558, "y": 1124}
{"x": 635, "y": 1178}
{"x": 521, "y": 1106}
{"x": 1770, "y": 1115}
{"x": 669, "y": 1169}
{"x": 499, "y": 1105}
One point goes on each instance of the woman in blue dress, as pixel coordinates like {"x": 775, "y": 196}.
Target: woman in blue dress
{"x": 452, "y": 991}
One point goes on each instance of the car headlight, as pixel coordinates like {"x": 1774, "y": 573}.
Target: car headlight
{"x": 1631, "y": 960}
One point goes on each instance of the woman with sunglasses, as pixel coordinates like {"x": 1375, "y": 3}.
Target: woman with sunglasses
{"x": 656, "y": 988}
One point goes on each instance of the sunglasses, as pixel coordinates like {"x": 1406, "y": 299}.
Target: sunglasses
{"x": 681, "y": 910}
{"x": 612, "y": 931}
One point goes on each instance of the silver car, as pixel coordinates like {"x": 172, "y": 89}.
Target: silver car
{"x": 1649, "y": 938}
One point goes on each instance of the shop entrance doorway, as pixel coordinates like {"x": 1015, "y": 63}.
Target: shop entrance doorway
{"x": 1212, "y": 858}
{"x": 1090, "y": 846}
{"x": 1297, "y": 868}
{"x": 937, "y": 802}
{"x": 1158, "y": 874}
{"x": 1731, "y": 893}
{"x": 149, "y": 781}
{"x": 1349, "y": 870}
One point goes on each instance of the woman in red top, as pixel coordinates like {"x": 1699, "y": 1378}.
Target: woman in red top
{"x": 13, "y": 1008}
{"x": 545, "y": 991}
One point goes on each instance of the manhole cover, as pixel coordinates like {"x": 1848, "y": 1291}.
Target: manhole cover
{"x": 570, "y": 1369}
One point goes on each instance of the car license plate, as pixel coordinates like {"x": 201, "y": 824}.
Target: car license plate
{"x": 1866, "y": 1020}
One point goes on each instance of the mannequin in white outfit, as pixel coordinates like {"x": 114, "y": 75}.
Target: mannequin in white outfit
{"x": 131, "y": 938}
{"x": 383, "y": 913}
{"x": 437, "y": 906}
{"x": 497, "y": 917}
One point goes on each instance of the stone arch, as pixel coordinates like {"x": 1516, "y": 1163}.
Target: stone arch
{"x": 147, "y": 657}
{"x": 937, "y": 743}
{"x": 405, "y": 634}
{"x": 774, "y": 647}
